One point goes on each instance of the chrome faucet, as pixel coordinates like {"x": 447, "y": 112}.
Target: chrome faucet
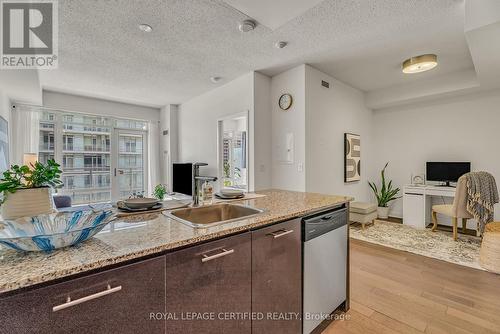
{"x": 196, "y": 181}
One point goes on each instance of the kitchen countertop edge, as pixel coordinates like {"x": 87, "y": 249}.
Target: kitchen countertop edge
{"x": 34, "y": 281}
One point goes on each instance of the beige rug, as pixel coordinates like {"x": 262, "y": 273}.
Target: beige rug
{"x": 437, "y": 245}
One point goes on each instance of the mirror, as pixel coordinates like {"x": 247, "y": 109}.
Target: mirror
{"x": 233, "y": 151}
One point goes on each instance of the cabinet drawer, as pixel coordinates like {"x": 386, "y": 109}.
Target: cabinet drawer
{"x": 277, "y": 278}
{"x": 211, "y": 282}
{"x": 114, "y": 301}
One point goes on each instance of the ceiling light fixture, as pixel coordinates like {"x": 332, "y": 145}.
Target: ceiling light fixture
{"x": 280, "y": 44}
{"x": 145, "y": 27}
{"x": 215, "y": 79}
{"x": 420, "y": 63}
{"x": 247, "y": 25}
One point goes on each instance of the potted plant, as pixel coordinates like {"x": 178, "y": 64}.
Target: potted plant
{"x": 27, "y": 190}
{"x": 227, "y": 175}
{"x": 385, "y": 195}
{"x": 160, "y": 191}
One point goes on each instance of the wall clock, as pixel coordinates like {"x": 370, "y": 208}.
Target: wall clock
{"x": 285, "y": 101}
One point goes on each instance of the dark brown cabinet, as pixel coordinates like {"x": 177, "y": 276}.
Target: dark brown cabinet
{"x": 209, "y": 287}
{"x": 277, "y": 278}
{"x": 114, "y": 301}
{"x": 246, "y": 283}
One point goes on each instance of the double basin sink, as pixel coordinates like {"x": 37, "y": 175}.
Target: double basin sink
{"x": 213, "y": 215}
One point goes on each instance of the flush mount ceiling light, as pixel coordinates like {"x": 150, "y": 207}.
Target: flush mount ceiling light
{"x": 215, "y": 79}
{"x": 145, "y": 27}
{"x": 420, "y": 63}
{"x": 247, "y": 25}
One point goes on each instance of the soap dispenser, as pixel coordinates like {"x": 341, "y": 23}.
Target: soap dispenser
{"x": 207, "y": 193}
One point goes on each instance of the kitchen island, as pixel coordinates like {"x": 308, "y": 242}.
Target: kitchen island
{"x": 141, "y": 250}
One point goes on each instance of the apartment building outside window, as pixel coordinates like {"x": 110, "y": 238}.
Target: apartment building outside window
{"x": 47, "y": 140}
{"x": 83, "y": 144}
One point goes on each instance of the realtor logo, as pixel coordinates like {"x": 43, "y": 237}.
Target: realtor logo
{"x": 29, "y": 34}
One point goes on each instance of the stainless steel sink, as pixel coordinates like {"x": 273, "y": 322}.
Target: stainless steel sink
{"x": 213, "y": 215}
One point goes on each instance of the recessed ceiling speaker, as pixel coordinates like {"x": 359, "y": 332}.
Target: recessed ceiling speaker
{"x": 145, "y": 27}
{"x": 215, "y": 79}
{"x": 247, "y": 25}
{"x": 280, "y": 44}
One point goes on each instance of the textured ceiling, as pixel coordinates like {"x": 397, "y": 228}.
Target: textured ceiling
{"x": 273, "y": 14}
{"x": 361, "y": 42}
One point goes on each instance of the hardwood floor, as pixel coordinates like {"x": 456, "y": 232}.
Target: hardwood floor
{"x": 398, "y": 292}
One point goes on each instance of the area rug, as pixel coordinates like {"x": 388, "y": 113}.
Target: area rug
{"x": 437, "y": 245}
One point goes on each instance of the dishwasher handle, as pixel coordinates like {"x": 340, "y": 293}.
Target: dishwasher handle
{"x": 324, "y": 223}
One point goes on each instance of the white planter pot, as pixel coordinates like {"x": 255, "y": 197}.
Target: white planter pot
{"x": 383, "y": 212}
{"x": 28, "y": 202}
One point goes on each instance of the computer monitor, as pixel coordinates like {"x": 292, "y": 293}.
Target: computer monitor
{"x": 182, "y": 178}
{"x": 446, "y": 171}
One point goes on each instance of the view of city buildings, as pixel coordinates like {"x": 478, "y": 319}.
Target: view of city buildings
{"x": 82, "y": 144}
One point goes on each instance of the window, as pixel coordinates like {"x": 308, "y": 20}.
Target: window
{"x": 68, "y": 143}
{"x": 69, "y": 182}
{"x": 84, "y": 152}
{"x": 68, "y": 162}
{"x": 233, "y": 152}
{"x": 47, "y": 140}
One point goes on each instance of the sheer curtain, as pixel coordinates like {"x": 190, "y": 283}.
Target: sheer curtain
{"x": 25, "y": 125}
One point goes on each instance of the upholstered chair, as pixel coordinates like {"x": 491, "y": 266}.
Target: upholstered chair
{"x": 456, "y": 210}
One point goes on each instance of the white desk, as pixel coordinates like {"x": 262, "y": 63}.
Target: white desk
{"x": 417, "y": 204}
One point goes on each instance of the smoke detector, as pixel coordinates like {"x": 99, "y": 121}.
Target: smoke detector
{"x": 247, "y": 25}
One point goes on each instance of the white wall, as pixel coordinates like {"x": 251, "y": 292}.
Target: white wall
{"x": 4, "y": 106}
{"x": 457, "y": 129}
{"x": 331, "y": 112}
{"x": 5, "y": 113}
{"x": 262, "y": 136}
{"x": 288, "y": 176}
{"x": 20, "y": 86}
{"x": 198, "y": 122}
{"x": 168, "y": 142}
{"x": 92, "y": 105}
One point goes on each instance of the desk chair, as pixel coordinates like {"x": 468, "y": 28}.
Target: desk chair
{"x": 456, "y": 210}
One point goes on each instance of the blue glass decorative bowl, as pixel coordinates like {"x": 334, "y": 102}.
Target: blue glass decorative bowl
{"x": 48, "y": 232}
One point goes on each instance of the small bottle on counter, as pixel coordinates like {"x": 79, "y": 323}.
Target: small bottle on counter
{"x": 207, "y": 193}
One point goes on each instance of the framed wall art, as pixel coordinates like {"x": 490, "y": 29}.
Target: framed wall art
{"x": 352, "y": 153}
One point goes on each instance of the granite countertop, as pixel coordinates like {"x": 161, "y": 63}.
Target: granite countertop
{"x": 147, "y": 234}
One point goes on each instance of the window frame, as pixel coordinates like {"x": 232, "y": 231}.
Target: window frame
{"x": 59, "y": 117}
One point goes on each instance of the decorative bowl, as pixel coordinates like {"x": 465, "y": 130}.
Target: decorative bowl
{"x": 228, "y": 192}
{"x": 48, "y": 232}
{"x": 140, "y": 203}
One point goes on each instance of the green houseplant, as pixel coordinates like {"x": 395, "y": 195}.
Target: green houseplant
{"x": 385, "y": 195}
{"x": 160, "y": 191}
{"x": 26, "y": 189}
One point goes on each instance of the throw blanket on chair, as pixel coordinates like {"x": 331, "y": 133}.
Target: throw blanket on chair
{"x": 482, "y": 195}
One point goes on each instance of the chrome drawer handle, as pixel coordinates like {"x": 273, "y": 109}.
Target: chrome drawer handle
{"x": 69, "y": 303}
{"x": 277, "y": 235}
{"x": 215, "y": 256}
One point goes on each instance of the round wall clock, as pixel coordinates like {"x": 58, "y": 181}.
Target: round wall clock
{"x": 285, "y": 101}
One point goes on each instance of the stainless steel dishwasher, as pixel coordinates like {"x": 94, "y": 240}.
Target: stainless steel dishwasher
{"x": 325, "y": 265}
